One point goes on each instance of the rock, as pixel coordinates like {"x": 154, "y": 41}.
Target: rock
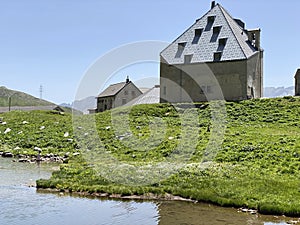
{"x": 3, "y": 123}
{"x": 23, "y": 160}
{"x": 245, "y": 210}
{"x": 7, "y": 130}
{"x": 66, "y": 134}
{"x": 42, "y": 127}
{"x": 7, "y": 155}
{"x": 76, "y": 154}
{"x": 24, "y": 122}
{"x": 37, "y": 149}
{"x": 20, "y": 156}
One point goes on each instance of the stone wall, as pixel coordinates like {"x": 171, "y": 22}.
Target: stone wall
{"x": 235, "y": 80}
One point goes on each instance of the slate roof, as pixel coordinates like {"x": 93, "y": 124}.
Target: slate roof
{"x": 112, "y": 89}
{"x": 297, "y": 75}
{"x": 149, "y": 97}
{"x": 201, "y": 48}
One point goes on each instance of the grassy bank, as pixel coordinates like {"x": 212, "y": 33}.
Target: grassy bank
{"x": 256, "y": 166}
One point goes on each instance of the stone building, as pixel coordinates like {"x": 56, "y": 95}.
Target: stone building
{"x": 215, "y": 57}
{"x": 297, "y": 83}
{"x": 117, "y": 95}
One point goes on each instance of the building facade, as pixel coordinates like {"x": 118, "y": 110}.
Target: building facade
{"x": 216, "y": 58}
{"x": 297, "y": 83}
{"x": 117, "y": 95}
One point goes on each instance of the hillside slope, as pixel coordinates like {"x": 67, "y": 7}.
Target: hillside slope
{"x": 257, "y": 165}
{"x": 19, "y": 98}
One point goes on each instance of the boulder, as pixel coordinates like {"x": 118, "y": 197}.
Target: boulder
{"x": 7, "y": 155}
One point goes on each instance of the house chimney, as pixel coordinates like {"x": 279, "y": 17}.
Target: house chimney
{"x": 213, "y": 4}
{"x": 254, "y": 37}
{"x": 127, "y": 80}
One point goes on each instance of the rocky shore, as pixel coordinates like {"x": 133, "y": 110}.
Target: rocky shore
{"x": 47, "y": 158}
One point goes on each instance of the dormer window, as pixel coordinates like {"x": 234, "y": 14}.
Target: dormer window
{"x": 222, "y": 43}
{"x": 180, "y": 49}
{"x": 198, "y": 33}
{"x": 210, "y": 22}
{"x": 210, "y": 19}
{"x": 188, "y": 59}
{"x": 217, "y": 56}
{"x": 215, "y": 35}
{"x": 217, "y": 30}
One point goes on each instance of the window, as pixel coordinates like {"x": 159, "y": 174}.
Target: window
{"x": 217, "y": 30}
{"x": 208, "y": 89}
{"x": 165, "y": 90}
{"x": 124, "y": 101}
{"x": 222, "y": 43}
{"x": 215, "y": 35}
{"x": 133, "y": 93}
{"x": 217, "y": 56}
{"x": 126, "y": 93}
{"x": 188, "y": 59}
{"x": 180, "y": 49}
{"x": 210, "y": 22}
{"x": 197, "y": 36}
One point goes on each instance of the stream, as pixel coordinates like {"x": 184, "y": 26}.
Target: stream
{"x": 22, "y": 204}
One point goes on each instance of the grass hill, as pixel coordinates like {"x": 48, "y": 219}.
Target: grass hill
{"x": 257, "y": 165}
{"x": 19, "y": 98}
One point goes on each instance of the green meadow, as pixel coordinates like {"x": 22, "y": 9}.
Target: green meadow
{"x": 240, "y": 154}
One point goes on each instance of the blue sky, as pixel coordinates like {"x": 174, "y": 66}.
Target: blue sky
{"x": 53, "y": 42}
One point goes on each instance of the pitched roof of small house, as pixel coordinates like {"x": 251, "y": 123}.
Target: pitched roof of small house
{"x": 297, "y": 75}
{"x": 215, "y": 32}
{"x": 149, "y": 97}
{"x": 31, "y": 108}
{"x": 113, "y": 89}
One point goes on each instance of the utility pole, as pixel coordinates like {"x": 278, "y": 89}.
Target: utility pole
{"x": 9, "y": 101}
{"x": 41, "y": 92}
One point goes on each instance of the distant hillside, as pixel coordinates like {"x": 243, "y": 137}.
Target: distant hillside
{"x": 19, "y": 98}
{"x": 84, "y": 104}
{"x": 273, "y": 92}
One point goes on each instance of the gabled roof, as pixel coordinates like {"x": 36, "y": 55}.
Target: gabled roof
{"x": 113, "y": 89}
{"x": 149, "y": 97}
{"x": 202, "y": 40}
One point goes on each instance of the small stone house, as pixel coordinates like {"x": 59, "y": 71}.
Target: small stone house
{"x": 297, "y": 83}
{"x": 117, "y": 95}
{"x": 216, "y": 56}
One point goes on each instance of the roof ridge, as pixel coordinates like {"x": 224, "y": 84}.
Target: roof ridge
{"x": 237, "y": 39}
{"x": 187, "y": 29}
{"x": 117, "y": 83}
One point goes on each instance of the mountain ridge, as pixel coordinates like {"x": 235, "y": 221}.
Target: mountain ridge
{"x": 19, "y": 98}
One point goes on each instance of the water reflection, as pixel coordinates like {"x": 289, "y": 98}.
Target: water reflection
{"x": 186, "y": 213}
{"x": 20, "y": 204}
